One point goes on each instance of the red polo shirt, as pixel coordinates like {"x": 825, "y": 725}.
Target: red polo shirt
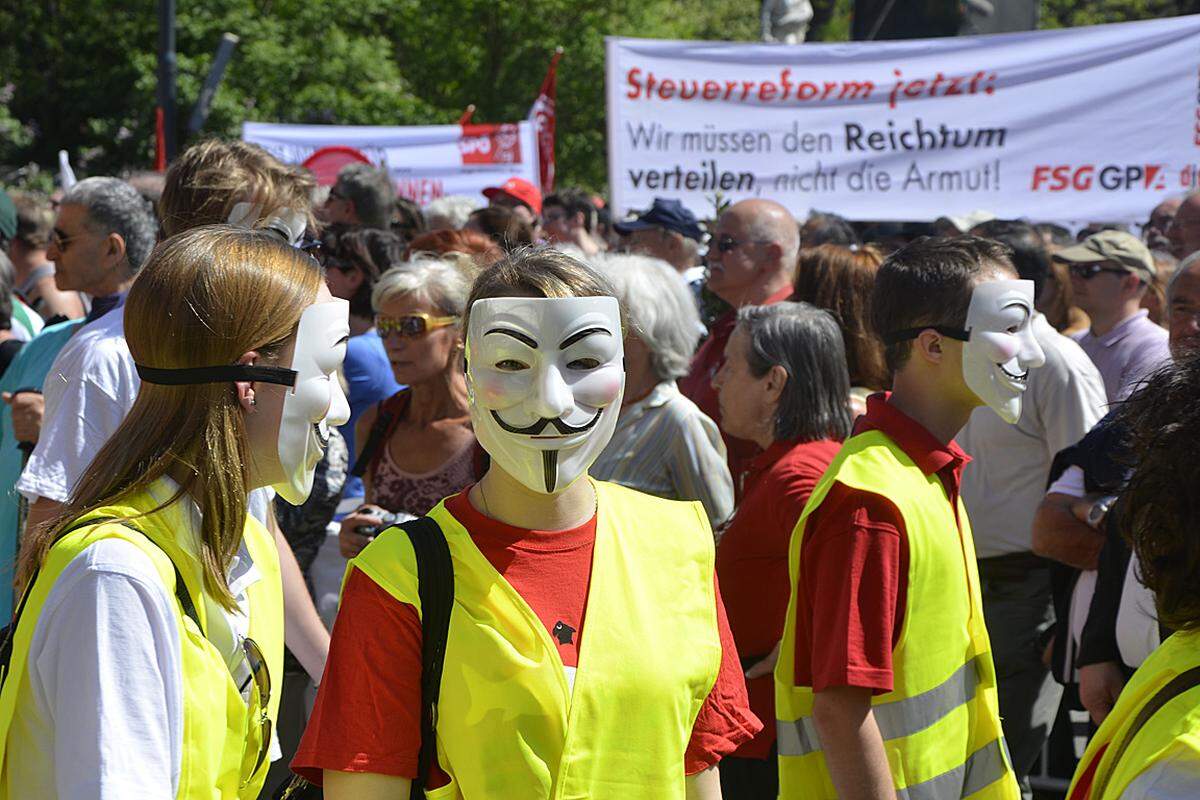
{"x": 854, "y": 565}
{"x": 752, "y": 562}
{"x": 697, "y": 385}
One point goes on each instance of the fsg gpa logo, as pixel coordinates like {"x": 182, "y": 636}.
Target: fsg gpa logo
{"x": 1107, "y": 177}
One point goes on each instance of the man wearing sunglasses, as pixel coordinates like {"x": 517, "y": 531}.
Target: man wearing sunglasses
{"x": 1110, "y": 273}
{"x": 751, "y": 259}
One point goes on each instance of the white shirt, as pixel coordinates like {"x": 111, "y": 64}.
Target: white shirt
{"x": 105, "y": 675}
{"x": 88, "y": 391}
{"x": 1006, "y": 480}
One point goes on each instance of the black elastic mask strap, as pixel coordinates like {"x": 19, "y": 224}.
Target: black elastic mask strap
{"x": 911, "y": 333}
{"x": 189, "y": 376}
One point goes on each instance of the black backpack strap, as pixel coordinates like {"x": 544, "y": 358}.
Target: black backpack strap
{"x": 9, "y": 632}
{"x": 390, "y": 411}
{"x": 435, "y": 586}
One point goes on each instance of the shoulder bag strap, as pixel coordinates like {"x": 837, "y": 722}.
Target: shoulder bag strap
{"x": 435, "y": 586}
{"x": 389, "y": 414}
{"x": 1183, "y": 682}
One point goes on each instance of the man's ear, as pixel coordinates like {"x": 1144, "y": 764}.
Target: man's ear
{"x": 929, "y": 346}
{"x": 777, "y": 378}
{"x": 114, "y": 249}
{"x": 773, "y": 252}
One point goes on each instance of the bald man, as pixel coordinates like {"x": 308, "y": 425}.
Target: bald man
{"x": 751, "y": 261}
{"x": 1154, "y": 232}
{"x": 1184, "y": 231}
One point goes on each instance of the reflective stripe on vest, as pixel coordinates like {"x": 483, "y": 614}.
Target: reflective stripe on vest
{"x": 896, "y": 719}
{"x": 220, "y": 742}
{"x": 940, "y": 723}
{"x": 508, "y": 724}
{"x": 1172, "y": 732}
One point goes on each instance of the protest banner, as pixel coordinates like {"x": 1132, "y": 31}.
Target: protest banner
{"x": 1096, "y": 123}
{"x": 426, "y": 161}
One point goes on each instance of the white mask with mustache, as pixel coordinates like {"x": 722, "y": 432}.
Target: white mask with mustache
{"x": 1000, "y": 348}
{"x": 545, "y": 378}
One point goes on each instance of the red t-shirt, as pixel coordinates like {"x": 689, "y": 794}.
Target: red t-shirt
{"x": 854, "y": 565}
{"x": 697, "y": 386}
{"x": 752, "y": 561}
{"x": 366, "y": 717}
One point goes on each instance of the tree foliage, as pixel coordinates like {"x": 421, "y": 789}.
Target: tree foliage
{"x": 80, "y": 74}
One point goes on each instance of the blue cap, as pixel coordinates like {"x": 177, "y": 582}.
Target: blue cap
{"x": 668, "y": 214}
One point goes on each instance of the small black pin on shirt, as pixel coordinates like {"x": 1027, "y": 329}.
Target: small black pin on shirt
{"x": 563, "y": 632}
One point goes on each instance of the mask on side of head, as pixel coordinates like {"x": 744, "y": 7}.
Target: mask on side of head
{"x": 1001, "y": 348}
{"x": 545, "y": 378}
{"x": 317, "y": 401}
{"x": 288, "y": 223}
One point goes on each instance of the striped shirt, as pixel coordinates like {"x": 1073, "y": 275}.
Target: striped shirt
{"x": 665, "y": 446}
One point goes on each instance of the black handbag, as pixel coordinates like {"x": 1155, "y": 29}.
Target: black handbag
{"x": 435, "y": 587}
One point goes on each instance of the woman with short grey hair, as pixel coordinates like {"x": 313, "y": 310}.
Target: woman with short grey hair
{"x": 663, "y": 444}
{"x": 785, "y": 386}
{"x": 417, "y": 446}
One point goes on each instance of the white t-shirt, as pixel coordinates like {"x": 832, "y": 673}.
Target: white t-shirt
{"x": 88, "y": 391}
{"x": 105, "y": 675}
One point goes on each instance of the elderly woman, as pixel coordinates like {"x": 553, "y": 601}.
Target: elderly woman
{"x": 784, "y": 386}
{"x": 663, "y": 445}
{"x": 417, "y": 446}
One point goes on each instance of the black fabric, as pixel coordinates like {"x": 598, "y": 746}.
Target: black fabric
{"x": 8, "y": 351}
{"x": 191, "y": 376}
{"x": 6, "y": 634}
{"x": 1103, "y": 455}
{"x": 435, "y": 585}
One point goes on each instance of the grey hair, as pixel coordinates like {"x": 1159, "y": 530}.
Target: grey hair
{"x": 660, "y": 309}
{"x": 807, "y": 342}
{"x": 451, "y": 211}
{"x": 437, "y": 282}
{"x": 8, "y": 277}
{"x": 1183, "y": 267}
{"x": 371, "y": 191}
{"x": 113, "y": 206}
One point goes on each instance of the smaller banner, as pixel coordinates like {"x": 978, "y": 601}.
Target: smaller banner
{"x": 543, "y": 117}
{"x": 425, "y": 161}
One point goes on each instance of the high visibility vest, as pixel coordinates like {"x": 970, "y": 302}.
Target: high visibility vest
{"x": 1171, "y": 730}
{"x": 940, "y": 723}
{"x": 508, "y": 725}
{"x": 220, "y": 740}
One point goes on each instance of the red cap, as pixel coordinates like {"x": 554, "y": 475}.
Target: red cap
{"x": 519, "y": 189}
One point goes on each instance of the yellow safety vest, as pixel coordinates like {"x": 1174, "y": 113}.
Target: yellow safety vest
{"x": 220, "y": 740}
{"x": 1171, "y": 731}
{"x": 940, "y": 724}
{"x": 508, "y": 726}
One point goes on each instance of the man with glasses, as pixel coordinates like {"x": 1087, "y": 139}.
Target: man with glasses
{"x": 667, "y": 231}
{"x": 751, "y": 261}
{"x": 1110, "y": 273}
{"x": 363, "y": 195}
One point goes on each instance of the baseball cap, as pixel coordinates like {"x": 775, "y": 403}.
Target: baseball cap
{"x": 669, "y": 214}
{"x": 1118, "y": 247}
{"x": 519, "y": 189}
{"x": 8, "y": 216}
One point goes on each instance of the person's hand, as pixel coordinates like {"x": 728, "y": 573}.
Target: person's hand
{"x": 350, "y": 541}
{"x": 764, "y": 667}
{"x": 1099, "y": 686}
{"x": 27, "y": 408}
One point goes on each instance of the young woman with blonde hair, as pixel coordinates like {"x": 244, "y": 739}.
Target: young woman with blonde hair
{"x": 642, "y": 699}
{"x": 145, "y": 658}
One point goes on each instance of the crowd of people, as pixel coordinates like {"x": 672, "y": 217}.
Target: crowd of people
{"x": 847, "y": 509}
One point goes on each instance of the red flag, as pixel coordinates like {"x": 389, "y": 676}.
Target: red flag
{"x": 542, "y": 115}
{"x": 468, "y": 112}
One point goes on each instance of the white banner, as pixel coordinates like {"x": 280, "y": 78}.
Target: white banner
{"x": 1096, "y": 123}
{"x": 426, "y": 161}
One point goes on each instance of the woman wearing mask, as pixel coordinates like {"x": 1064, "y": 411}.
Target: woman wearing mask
{"x": 146, "y": 657}
{"x": 640, "y": 700}
{"x": 785, "y": 387}
{"x": 417, "y": 446}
